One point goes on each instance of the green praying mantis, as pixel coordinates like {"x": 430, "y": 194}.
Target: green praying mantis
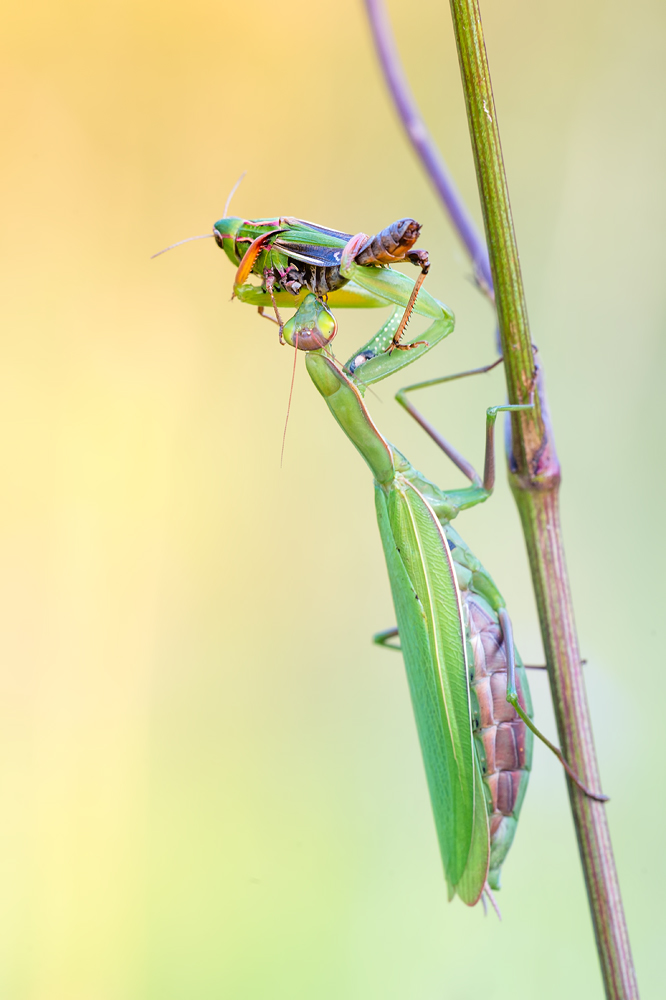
{"x": 468, "y": 686}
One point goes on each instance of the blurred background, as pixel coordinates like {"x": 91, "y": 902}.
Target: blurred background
{"x": 210, "y": 779}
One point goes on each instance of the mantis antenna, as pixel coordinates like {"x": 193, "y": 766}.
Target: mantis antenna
{"x": 291, "y": 393}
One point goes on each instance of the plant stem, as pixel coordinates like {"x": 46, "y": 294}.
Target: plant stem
{"x": 533, "y": 466}
{"x": 535, "y": 480}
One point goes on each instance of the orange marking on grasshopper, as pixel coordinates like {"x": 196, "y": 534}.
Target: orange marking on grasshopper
{"x": 250, "y": 256}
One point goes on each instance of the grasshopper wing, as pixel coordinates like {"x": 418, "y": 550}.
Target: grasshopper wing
{"x": 309, "y": 253}
{"x": 311, "y": 244}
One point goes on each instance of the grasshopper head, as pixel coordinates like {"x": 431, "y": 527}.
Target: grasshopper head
{"x": 225, "y": 232}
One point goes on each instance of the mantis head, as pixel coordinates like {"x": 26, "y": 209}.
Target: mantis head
{"x": 312, "y": 327}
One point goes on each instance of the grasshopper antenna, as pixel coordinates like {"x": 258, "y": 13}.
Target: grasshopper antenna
{"x": 232, "y": 193}
{"x": 189, "y": 239}
{"x": 204, "y": 236}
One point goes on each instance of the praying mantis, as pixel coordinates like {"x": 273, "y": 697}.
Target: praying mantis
{"x": 467, "y": 683}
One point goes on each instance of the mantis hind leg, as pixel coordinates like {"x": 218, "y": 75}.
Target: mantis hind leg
{"x": 512, "y": 698}
{"x": 485, "y": 485}
{"x": 384, "y": 638}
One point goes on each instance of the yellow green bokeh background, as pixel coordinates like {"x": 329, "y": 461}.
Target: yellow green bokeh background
{"x": 210, "y": 780}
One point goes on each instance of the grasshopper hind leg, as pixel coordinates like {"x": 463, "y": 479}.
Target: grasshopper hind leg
{"x": 269, "y": 281}
{"x": 271, "y": 319}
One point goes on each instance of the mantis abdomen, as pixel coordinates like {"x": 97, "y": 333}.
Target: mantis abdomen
{"x": 502, "y": 741}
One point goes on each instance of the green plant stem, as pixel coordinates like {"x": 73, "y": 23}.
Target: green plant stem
{"x": 535, "y": 479}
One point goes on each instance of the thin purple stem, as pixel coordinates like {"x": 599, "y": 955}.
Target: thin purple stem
{"x": 425, "y": 145}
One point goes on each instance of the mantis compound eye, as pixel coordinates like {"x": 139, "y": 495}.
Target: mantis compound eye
{"x": 312, "y": 327}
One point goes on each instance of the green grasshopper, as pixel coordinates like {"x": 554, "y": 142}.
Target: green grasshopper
{"x": 468, "y": 685}
{"x": 297, "y": 260}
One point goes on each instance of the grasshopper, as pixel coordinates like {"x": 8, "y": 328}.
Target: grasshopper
{"x": 296, "y": 259}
